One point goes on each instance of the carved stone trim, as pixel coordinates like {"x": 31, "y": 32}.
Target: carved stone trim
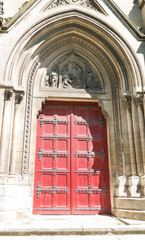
{"x": 91, "y": 4}
{"x": 28, "y": 120}
{"x": 8, "y": 94}
{"x": 102, "y": 108}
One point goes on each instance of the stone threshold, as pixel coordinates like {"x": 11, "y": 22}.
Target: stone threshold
{"x": 72, "y": 225}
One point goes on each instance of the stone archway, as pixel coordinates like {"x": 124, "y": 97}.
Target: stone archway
{"x": 113, "y": 62}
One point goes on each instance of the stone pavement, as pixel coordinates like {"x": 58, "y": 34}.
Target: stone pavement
{"x": 93, "y": 227}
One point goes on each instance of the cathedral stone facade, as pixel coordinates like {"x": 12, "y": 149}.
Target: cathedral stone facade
{"x": 72, "y": 54}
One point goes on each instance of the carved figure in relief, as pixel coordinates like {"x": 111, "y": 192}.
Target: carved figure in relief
{"x": 52, "y": 80}
{"x": 67, "y": 83}
{"x": 89, "y": 78}
{"x": 72, "y": 71}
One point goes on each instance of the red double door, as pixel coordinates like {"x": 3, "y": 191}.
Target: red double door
{"x": 71, "y": 167}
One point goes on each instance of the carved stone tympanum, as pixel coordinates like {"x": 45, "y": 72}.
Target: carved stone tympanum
{"x": 72, "y": 71}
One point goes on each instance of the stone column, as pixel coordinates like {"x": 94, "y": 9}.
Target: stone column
{"x": 127, "y": 103}
{"x": 144, "y": 104}
{"x": 1, "y": 12}
{"x": 5, "y": 131}
{"x": 1, "y": 109}
{"x": 18, "y": 99}
{"x": 137, "y": 139}
{"x": 139, "y": 102}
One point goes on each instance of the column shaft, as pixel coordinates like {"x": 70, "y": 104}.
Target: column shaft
{"x": 6, "y": 132}
{"x": 137, "y": 140}
{"x": 18, "y": 99}
{"x": 139, "y": 101}
{"x": 1, "y": 109}
{"x": 131, "y": 142}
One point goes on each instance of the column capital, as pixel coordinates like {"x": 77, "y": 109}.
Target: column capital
{"x": 19, "y": 97}
{"x": 8, "y": 94}
{"x": 126, "y": 99}
{"x": 138, "y": 98}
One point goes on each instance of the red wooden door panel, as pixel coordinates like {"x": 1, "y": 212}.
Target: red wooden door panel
{"x": 71, "y": 170}
{"x": 52, "y": 170}
{"x": 89, "y": 163}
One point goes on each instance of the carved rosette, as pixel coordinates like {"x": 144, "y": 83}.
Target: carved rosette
{"x": 8, "y": 94}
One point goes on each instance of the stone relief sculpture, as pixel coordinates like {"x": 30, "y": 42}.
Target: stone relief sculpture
{"x": 52, "y": 80}
{"x": 70, "y": 72}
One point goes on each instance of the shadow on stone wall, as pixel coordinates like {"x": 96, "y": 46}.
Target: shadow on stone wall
{"x": 135, "y": 15}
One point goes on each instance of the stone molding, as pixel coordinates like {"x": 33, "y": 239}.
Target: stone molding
{"x": 27, "y": 130}
{"x": 111, "y": 4}
{"x": 141, "y": 3}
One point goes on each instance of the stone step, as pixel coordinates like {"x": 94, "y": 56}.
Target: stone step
{"x": 72, "y": 237}
{"x": 71, "y": 226}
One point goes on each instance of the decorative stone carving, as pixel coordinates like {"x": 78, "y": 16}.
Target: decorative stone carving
{"x": 85, "y": 3}
{"x": 126, "y": 99}
{"x": 138, "y": 99}
{"x": 28, "y": 120}
{"x": 8, "y": 94}
{"x": 71, "y": 71}
{"x": 18, "y": 98}
{"x": 1, "y": 13}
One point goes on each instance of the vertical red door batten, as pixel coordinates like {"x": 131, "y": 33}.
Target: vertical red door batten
{"x": 71, "y": 167}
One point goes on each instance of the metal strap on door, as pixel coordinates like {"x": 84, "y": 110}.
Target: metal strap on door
{"x": 90, "y": 171}
{"x": 88, "y": 122}
{"x": 90, "y": 154}
{"x": 88, "y": 137}
{"x": 53, "y": 154}
{"x": 90, "y": 190}
{"x": 53, "y": 190}
{"x": 54, "y": 121}
{"x": 54, "y": 171}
